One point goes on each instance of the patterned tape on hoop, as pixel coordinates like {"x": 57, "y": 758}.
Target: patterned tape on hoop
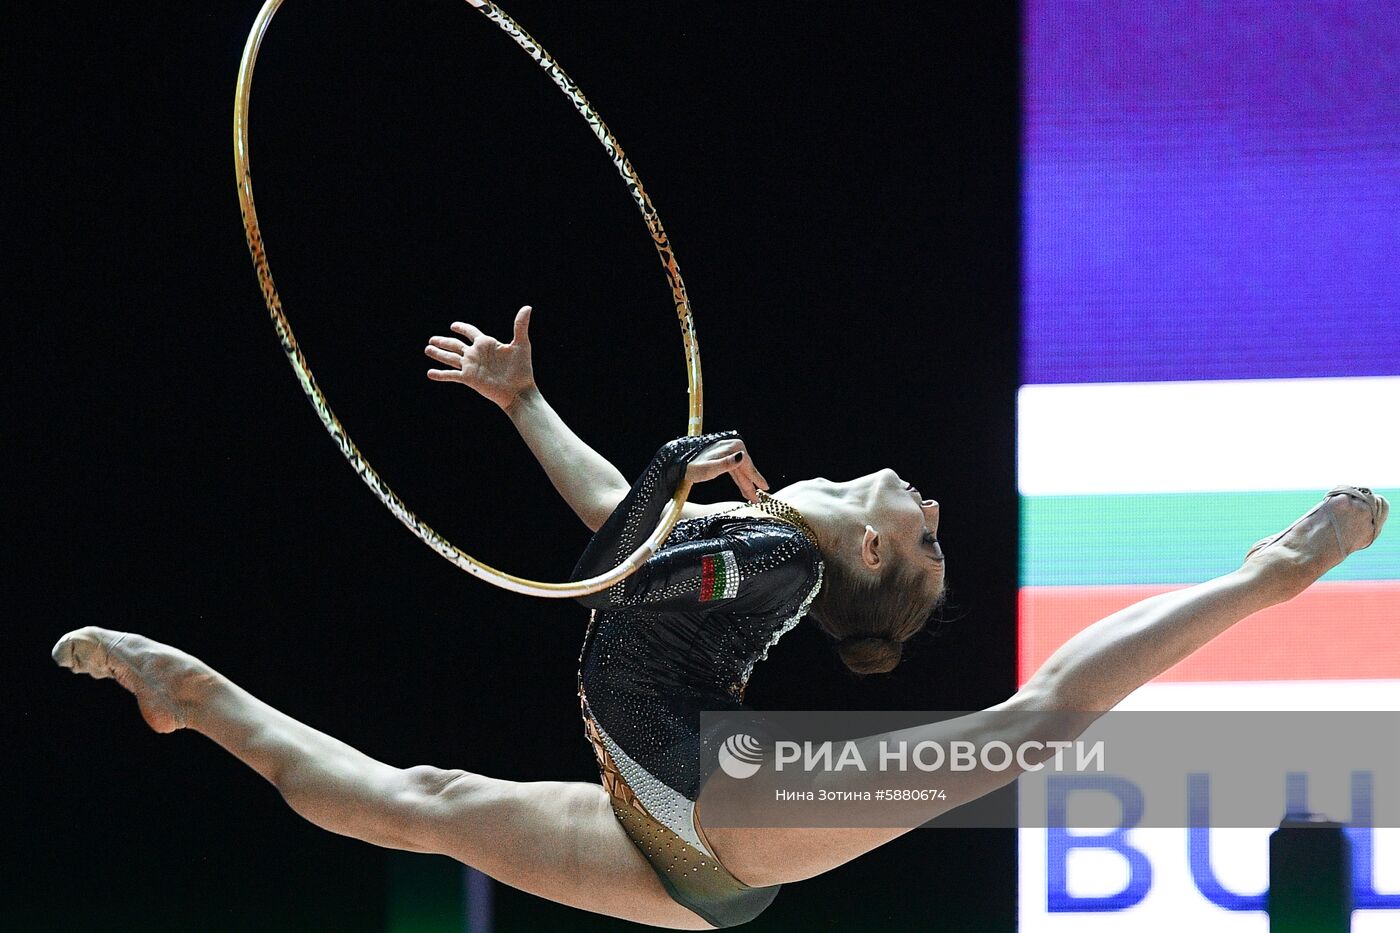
{"x": 318, "y": 400}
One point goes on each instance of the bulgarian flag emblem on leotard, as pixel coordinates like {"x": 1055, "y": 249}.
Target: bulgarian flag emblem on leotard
{"x": 719, "y": 576}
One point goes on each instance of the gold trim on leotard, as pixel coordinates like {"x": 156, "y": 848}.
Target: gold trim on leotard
{"x": 693, "y": 878}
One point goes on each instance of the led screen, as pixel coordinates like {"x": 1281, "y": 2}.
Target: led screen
{"x": 1211, "y": 340}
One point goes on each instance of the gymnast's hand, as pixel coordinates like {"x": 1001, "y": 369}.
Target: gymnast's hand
{"x": 500, "y": 371}
{"x": 728, "y": 456}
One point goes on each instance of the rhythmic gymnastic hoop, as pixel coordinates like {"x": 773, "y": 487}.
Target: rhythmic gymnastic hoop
{"x": 318, "y": 399}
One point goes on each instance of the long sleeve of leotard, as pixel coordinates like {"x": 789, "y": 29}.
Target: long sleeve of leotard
{"x": 748, "y": 570}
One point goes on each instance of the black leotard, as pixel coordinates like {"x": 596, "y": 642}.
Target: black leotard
{"x": 682, "y": 635}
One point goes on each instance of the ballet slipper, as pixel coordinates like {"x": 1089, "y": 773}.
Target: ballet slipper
{"x": 1376, "y": 504}
{"x": 140, "y": 665}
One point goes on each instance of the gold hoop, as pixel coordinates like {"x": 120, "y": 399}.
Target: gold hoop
{"x": 318, "y": 400}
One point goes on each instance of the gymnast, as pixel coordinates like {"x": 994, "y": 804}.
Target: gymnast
{"x": 680, "y": 635}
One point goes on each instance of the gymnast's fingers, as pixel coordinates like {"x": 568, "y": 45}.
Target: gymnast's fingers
{"x": 450, "y": 344}
{"x": 442, "y": 356}
{"x": 445, "y": 375}
{"x": 746, "y": 474}
{"x": 466, "y": 330}
{"x": 738, "y": 464}
{"x": 754, "y": 475}
{"x": 522, "y": 325}
{"x": 750, "y": 486}
{"x": 714, "y": 461}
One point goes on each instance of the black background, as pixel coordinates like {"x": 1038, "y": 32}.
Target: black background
{"x": 840, "y": 183}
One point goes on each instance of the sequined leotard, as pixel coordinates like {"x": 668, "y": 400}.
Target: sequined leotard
{"x": 682, "y": 635}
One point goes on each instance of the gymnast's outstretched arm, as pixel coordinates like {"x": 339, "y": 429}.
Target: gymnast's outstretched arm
{"x": 505, "y": 374}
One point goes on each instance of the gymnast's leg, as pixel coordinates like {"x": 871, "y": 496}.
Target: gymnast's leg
{"x": 555, "y": 839}
{"x": 1088, "y": 675}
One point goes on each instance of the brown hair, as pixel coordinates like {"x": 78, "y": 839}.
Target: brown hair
{"x": 871, "y": 616}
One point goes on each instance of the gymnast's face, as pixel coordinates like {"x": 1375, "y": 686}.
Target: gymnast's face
{"x": 886, "y": 518}
{"x": 899, "y": 520}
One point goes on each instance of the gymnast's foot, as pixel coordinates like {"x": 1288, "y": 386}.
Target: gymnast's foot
{"x": 161, "y": 677}
{"x": 1348, "y": 519}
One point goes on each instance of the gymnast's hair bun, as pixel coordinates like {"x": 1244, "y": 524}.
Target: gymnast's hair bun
{"x": 868, "y": 654}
